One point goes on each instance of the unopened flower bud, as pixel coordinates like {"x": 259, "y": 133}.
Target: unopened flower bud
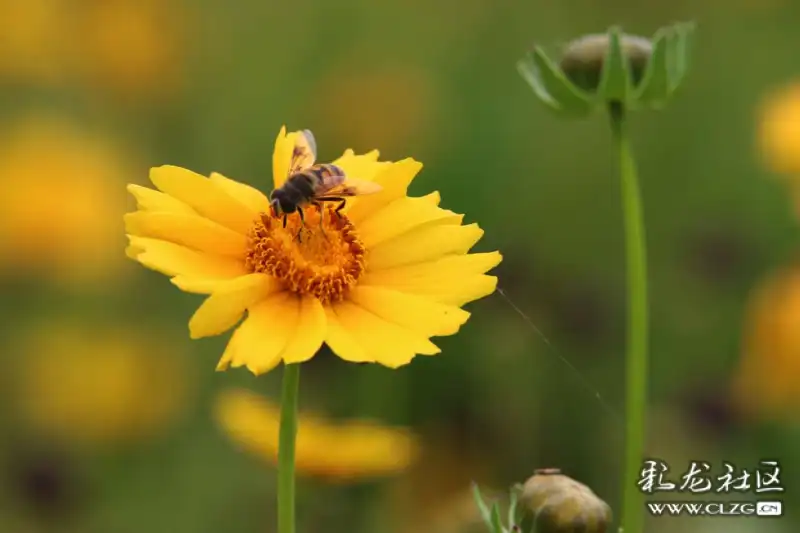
{"x": 601, "y": 69}
{"x": 562, "y": 505}
{"x": 582, "y": 60}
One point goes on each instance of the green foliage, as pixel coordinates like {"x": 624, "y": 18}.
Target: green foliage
{"x": 491, "y": 516}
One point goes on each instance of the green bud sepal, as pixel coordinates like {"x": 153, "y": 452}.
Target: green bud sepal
{"x": 596, "y": 70}
{"x": 491, "y": 515}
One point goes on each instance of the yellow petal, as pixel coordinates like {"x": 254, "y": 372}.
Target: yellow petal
{"x": 351, "y": 450}
{"x": 453, "y": 280}
{"x": 342, "y": 342}
{"x": 401, "y": 216}
{"x": 132, "y": 252}
{"x": 258, "y": 342}
{"x": 282, "y": 157}
{"x": 204, "y": 196}
{"x": 227, "y": 304}
{"x": 188, "y": 230}
{"x": 451, "y": 266}
{"x": 451, "y": 291}
{"x": 251, "y": 420}
{"x": 394, "y": 179}
{"x": 311, "y": 332}
{"x": 363, "y": 167}
{"x": 247, "y": 195}
{"x": 433, "y": 198}
{"x": 199, "y": 285}
{"x": 230, "y": 349}
{"x": 176, "y": 260}
{"x": 386, "y": 343}
{"x": 423, "y": 244}
{"x": 469, "y": 290}
{"x": 423, "y": 316}
{"x": 342, "y": 451}
{"x": 151, "y": 200}
{"x": 357, "y": 449}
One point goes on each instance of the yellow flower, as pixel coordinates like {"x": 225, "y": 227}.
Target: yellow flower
{"x": 779, "y": 130}
{"x": 766, "y": 380}
{"x": 353, "y": 450}
{"x": 34, "y": 45}
{"x": 58, "y": 200}
{"x": 97, "y": 386}
{"x": 374, "y": 284}
{"x": 132, "y": 47}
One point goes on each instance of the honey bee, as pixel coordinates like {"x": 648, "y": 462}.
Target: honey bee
{"x": 308, "y": 183}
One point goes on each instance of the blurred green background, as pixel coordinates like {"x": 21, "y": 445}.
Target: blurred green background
{"x": 109, "y": 415}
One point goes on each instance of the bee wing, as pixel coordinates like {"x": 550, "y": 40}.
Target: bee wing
{"x": 305, "y": 152}
{"x": 354, "y": 187}
{"x": 310, "y": 141}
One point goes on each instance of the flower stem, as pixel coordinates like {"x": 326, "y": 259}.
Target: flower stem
{"x": 286, "y": 448}
{"x": 636, "y": 358}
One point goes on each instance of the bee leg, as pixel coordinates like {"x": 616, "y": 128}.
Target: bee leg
{"x": 284, "y": 220}
{"x": 302, "y": 224}
{"x": 321, "y": 209}
{"x": 340, "y": 207}
{"x": 341, "y": 203}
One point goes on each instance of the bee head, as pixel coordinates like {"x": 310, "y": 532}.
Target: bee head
{"x": 281, "y": 205}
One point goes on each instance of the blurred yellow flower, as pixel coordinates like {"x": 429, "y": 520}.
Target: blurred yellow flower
{"x": 779, "y": 130}
{"x": 34, "y": 45}
{"x": 133, "y": 47}
{"x": 93, "y": 385}
{"x": 767, "y": 381}
{"x": 339, "y": 452}
{"x": 59, "y": 201}
{"x": 375, "y": 284}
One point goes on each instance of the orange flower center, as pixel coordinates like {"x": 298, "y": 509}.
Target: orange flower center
{"x": 321, "y": 257}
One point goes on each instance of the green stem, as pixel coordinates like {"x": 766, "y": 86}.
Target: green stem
{"x": 636, "y": 358}
{"x": 286, "y": 448}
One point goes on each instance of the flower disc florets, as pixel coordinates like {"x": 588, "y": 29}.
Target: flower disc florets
{"x": 321, "y": 256}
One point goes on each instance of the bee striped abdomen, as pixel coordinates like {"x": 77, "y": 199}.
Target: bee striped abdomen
{"x": 325, "y": 177}
{"x": 328, "y": 172}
